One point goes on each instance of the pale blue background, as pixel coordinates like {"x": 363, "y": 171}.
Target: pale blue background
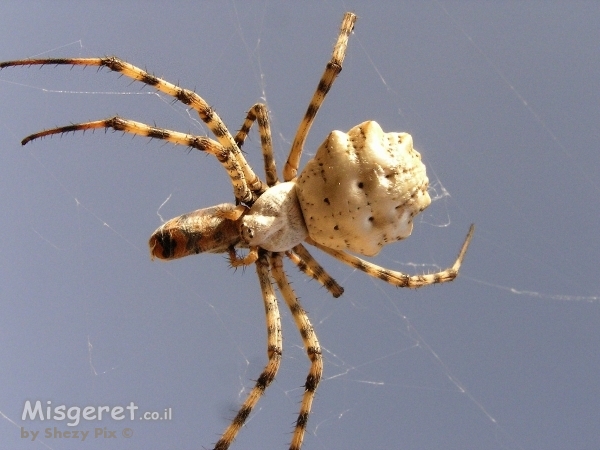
{"x": 502, "y": 99}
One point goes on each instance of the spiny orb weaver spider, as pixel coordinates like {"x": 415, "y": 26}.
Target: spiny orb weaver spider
{"x": 359, "y": 193}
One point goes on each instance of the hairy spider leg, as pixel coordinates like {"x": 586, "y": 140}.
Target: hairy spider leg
{"x": 253, "y": 186}
{"x": 248, "y": 259}
{"x": 274, "y": 350}
{"x": 304, "y": 260}
{"x": 311, "y": 345}
{"x": 334, "y": 67}
{"x": 259, "y": 113}
{"x": 309, "y": 266}
{"x": 400, "y": 279}
{"x": 201, "y": 143}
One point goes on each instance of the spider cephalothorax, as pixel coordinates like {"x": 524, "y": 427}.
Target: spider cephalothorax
{"x": 360, "y": 192}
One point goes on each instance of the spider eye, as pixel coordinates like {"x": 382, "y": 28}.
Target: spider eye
{"x": 247, "y": 233}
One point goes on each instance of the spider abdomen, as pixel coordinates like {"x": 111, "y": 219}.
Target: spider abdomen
{"x": 362, "y": 189}
{"x": 203, "y": 230}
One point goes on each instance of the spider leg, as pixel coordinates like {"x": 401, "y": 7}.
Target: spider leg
{"x": 334, "y": 67}
{"x": 398, "y": 278}
{"x": 232, "y": 214}
{"x": 186, "y": 96}
{"x": 311, "y": 344}
{"x": 260, "y": 114}
{"x": 274, "y": 349}
{"x": 198, "y": 142}
{"x": 236, "y": 261}
{"x": 309, "y": 265}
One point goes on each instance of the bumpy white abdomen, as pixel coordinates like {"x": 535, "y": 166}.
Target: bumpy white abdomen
{"x": 362, "y": 189}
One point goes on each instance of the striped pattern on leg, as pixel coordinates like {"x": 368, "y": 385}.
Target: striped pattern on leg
{"x": 334, "y": 67}
{"x": 201, "y": 143}
{"x": 398, "y": 278}
{"x": 311, "y": 344}
{"x": 309, "y": 266}
{"x": 186, "y": 96}
{"x": 260, "y": 114}
{"x": 274, "y": 349}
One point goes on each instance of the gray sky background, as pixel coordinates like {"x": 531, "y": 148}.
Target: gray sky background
{"x": 502, "y": 100}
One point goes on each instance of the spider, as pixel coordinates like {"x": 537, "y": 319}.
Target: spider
{"x": 360, "y": 192}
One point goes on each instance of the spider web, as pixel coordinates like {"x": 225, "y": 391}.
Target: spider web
{"x": 505, "y": 357}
